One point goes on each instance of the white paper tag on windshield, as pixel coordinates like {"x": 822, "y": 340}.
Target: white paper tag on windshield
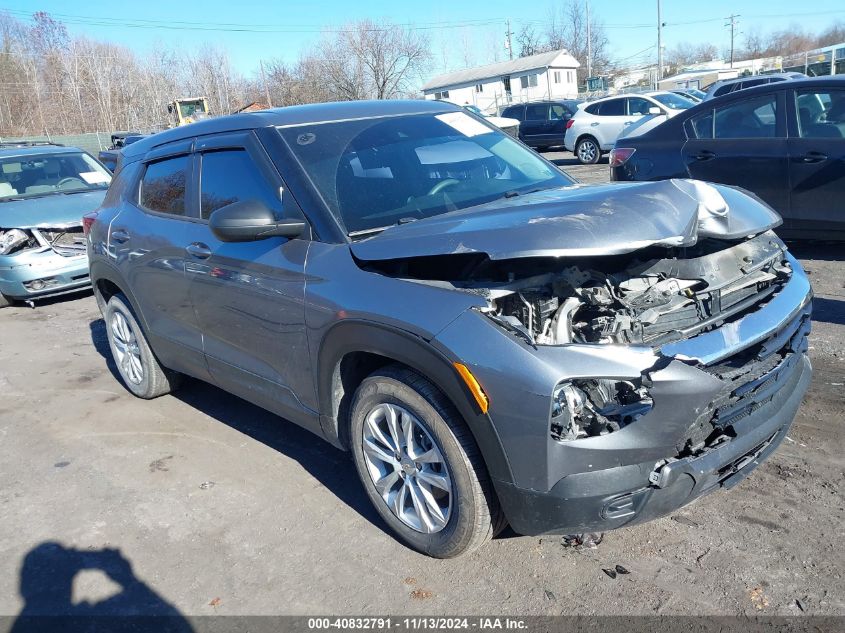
{"x": 94, "y": 177}
{"x": 464, "y": 123}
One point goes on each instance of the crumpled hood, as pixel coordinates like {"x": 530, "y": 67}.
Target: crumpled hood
{"x": 581, "y": 220}
{"x": 49, "y": 211}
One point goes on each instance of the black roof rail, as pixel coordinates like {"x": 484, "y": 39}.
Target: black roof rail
{"x": 29, "y": 143}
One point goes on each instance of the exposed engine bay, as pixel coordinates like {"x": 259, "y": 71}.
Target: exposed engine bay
{"x": 652, "y": 296}
{"x": 68, "y": 240}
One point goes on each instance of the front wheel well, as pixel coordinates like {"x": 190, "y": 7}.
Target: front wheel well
{"x": 349, "y": 373}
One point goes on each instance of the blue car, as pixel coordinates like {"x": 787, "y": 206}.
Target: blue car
{"x": 45, "y": 190}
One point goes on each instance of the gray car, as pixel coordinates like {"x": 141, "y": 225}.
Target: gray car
{"x": 493, "y": 342}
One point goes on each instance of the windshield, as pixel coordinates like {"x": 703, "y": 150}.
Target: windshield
{"x": 474, "y": 110}
{"x": 373, "y": 173}
{"x": 671, "y": 100}
{"x": 36, "y": 175}
{"x": 697, "y": 93}
{"x": 190, "y": 108}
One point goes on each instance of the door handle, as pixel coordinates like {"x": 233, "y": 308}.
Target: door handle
{"x": 813, "y": 157}
{"x": 198, "y": 250}
{"x": 119, "y": 236}
{"x": 594, "y": 124}
{"x": 627, "y": 123}
{"x": 704, "y": 155}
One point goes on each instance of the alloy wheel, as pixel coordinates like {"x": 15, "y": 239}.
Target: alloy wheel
{"x": 407, "y": 468}
{"x": 587, "y": 151}
{"x": 126, "y": 350}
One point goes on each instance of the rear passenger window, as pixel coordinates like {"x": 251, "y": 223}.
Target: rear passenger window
{"x": 163, "y": 185}
{"x": 593, "y": 108}
{"x": 229, "y": 176}
{"x": 536, "y": 112}
{"x": 615, "y": 107}
{"x": 751, "y": 118}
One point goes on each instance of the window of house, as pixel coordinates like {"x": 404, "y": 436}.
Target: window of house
{"x": 441, "y": 95}
{"x": 528, "y": 81}
{"x": 479, "y": 87}
{"x": 557, "y": 76}
{"x": 229, "y": 176}
{"x": 163, "y": 185}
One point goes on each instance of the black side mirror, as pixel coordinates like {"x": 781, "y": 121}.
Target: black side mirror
{"x": 250, "y": 220}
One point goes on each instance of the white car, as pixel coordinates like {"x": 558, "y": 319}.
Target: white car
{"x": 598, "y": 124}
{"x": 508, "y": 126}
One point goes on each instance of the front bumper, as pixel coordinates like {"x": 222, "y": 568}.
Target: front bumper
{"x": 744, "y": 379}
{"x": 42, "y": 273}
{"x": 627, "y": 495}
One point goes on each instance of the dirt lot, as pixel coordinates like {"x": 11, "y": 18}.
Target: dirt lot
{"x": 221, "y": 508}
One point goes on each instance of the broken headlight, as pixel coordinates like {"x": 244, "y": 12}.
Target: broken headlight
{"x": 10, "y": 240}
{"x": 591, "y": 407}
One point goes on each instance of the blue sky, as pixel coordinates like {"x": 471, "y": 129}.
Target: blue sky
{"x": 460, "y": 31}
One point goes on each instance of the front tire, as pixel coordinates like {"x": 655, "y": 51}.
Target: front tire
{"x": 5, "y": 302}
{"x": 420, "y": 466}
{"x": 587, "y": 151}
{"x": 138, "y": 367}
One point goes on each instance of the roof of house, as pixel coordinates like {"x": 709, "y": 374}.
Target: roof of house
{"x": 520, "y": 64}
{"x": 253, "y": 106}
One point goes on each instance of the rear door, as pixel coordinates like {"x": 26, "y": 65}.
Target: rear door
{"x": 248, "y": 296}
{"x": 817, "y": 160}
{"x": 148, "y": 239}
{"x": 742, "y": 142}
{"x": 535, "y": 128}
{"x": 612, "y": 117}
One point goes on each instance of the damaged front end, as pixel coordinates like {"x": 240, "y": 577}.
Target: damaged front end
{"x": 637, "y": 379}
{"x": 42, "y": 260}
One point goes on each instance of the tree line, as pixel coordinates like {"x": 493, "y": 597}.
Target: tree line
{"x": 52, "y": 83}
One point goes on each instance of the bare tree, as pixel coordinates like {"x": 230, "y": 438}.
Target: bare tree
{"x": 530, "y": 42}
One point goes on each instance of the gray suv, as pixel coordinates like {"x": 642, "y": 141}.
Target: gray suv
{"x": 493, "y": 342}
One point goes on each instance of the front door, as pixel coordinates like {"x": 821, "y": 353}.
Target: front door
{"x": 817, "y": 161}
{"x": 249, "y": 296}
{"x": 743, "y": 143}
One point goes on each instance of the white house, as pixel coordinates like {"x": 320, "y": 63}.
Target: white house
{"x": 550, "y": 75}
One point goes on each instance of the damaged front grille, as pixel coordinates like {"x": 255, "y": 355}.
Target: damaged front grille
{"x": 66, "y": 241}
{"x": 752, "y": 379}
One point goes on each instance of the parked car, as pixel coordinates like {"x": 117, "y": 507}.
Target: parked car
{"x": 44, "y": 191}
{"x": 492, "y": 343}
{"x": 727, "y": 86}
{"x": 509, "y": 126}
{"x": 596, "y": 126}
{"x": 785, "y": 142}
{"x": 119, "y": 140}
{"x": 542, "y": 124}
{"x": 693, "y": 94}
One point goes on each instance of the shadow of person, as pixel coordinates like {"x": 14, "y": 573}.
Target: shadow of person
{"x": 46, "y": 586}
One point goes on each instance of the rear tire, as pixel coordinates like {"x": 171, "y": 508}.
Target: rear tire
{"x": 428, "y": 518}
{"x": 138, "y": 367}
{"x": 587, "y": 151}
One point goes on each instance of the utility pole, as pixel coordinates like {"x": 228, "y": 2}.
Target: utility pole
{"x": 659, "y": 45}
{"x": 264, "y": 81}
{"x": 732, "y": 23}
{"x": 508, "y": 43}
{"x": 589, "y": 43}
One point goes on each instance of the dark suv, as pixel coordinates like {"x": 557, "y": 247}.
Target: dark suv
{"x": 542, "y": 124}
{"x": 491, "y": 343}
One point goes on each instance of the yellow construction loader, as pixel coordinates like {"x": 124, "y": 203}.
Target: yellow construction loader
{"x": 190, "y": 110}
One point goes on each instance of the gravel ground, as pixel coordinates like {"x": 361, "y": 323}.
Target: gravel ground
{"x": 221, "y": 508}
